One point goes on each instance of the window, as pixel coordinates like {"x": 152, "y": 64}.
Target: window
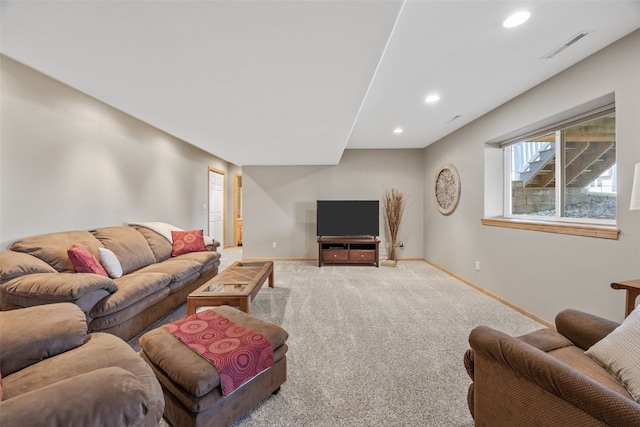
{"x": 564, "y": 174}
{"x": 557, "y": 175}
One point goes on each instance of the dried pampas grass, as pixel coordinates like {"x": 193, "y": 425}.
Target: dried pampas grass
{"x": 394, "y": 204}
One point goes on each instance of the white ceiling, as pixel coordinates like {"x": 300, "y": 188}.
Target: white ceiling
{"x": 297, "y": 82}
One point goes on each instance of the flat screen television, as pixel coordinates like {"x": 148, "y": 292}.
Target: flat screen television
{"x": 348, "y": 218}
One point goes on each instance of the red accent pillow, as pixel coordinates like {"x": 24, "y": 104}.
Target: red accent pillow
{"x": 187, "y": 241}
{"x": 84, "y": 261}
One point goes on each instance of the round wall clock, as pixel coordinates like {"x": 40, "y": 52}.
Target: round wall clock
{"x": 447, "y": 189}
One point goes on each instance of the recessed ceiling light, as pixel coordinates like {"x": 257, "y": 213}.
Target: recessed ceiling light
{"x": 432, "y": 98}
{"x": 398, "y": 130}
{"x": 516, "y": 19}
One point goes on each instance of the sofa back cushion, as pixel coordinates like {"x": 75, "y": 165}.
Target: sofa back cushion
{"x": 15, "y": 264}
{"x": 129, "y": 246}
{"x": 61, "y": 327}
{"x": 52, "y": 248}
{"x": 159, "y": 244}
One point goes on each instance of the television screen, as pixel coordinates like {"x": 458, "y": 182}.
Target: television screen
{"x": 348, "y": 218}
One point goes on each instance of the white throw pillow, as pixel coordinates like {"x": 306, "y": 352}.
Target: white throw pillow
{"x": 110, "y": 263}
{"x": 619, "y": 353}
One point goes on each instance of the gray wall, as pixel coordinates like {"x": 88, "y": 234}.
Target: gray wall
{"x": 541, "y": 272}
{"x": 69, "y": 162}
{"x": 280, "y": 201}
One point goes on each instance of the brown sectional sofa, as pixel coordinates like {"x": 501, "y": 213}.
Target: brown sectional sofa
{"x": 37, "y": 270}
{"x": 55, "y": 374}
{"x": 545, "y": 378}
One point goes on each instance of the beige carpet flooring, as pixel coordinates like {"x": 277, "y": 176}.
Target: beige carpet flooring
{"x": 372, "y": 346}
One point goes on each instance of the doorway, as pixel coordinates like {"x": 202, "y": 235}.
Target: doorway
{"x": 216, "y": 205}
{"x": 237, "y": 210}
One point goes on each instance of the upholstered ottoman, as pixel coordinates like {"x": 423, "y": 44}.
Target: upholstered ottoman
{"x": 192, "y": 385}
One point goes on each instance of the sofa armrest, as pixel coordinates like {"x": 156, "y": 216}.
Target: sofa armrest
{"x": 104, "y": 397}
{"x": 58, "y": 287}
{"x": 32, "y": 334}
{"x": 583, "y": 329}
{"x": 551, "y": 376}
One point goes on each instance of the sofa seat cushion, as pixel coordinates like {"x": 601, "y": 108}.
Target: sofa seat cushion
{"x": 188, "y": 282}
{"x": 14, "y": 264}
{"x": 179, "y": 270}
{"x": 128, "y": 245}
{"x": 121, "y": 400}
{"x": 131, "y": 289}
{"x": 58, "y": 287}
{"x": 208, "y": 259}
{"x": 546, "y": 340}
{"x": 574, "y": 356}
{"x": 112, "y": 322}
{"x": 52, "y": 248}
{"x": 21, "y": 345}
{"x": 100, "y": 351}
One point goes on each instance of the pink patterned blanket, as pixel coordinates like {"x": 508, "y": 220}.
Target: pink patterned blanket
{"x": 238, "y": 353}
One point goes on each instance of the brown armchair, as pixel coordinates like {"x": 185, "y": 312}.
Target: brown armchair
{"x": 544, "y": 378}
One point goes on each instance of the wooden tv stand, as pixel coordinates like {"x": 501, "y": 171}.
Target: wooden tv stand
{"x": 348, "y": 250}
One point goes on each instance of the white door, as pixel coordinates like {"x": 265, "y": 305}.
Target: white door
{"x": 216, "y": 206}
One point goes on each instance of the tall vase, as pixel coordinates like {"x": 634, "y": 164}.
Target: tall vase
{"x": 392, "y": 254}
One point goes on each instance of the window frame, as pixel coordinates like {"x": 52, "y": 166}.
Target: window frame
{"x": 590, "y": 227}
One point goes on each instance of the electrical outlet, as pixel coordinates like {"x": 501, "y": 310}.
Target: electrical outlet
{"x": 275, "y": 244}
{"x": 401, "y": 244}
{"x": 477, "y": 265}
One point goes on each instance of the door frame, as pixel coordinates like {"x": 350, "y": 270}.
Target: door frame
{"x": 237, "y": 203}
{"x": 224, "y": 204}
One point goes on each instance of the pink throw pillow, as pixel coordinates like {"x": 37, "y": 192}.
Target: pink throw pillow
{"x": 84, "y": 261}
{"x": 187, "y": 241}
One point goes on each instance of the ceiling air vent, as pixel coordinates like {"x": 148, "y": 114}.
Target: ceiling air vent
{"x": 456, "y": 117}
{"x": 562, "y": 47}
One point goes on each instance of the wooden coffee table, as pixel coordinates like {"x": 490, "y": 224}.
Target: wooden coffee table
{"x": 236, "y": 286}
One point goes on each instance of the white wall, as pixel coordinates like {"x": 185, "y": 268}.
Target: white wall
{"x": 541, "y": 272}
{"x": 280, "y": 201}
{"x": 69, "y": 162}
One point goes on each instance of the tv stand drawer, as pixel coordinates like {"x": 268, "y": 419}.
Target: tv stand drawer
{"x": 335, "y": 255}
{"x": 362, "y": 255}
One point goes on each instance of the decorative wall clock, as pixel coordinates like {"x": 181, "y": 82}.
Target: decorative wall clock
{"x": 446, "y": 189}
